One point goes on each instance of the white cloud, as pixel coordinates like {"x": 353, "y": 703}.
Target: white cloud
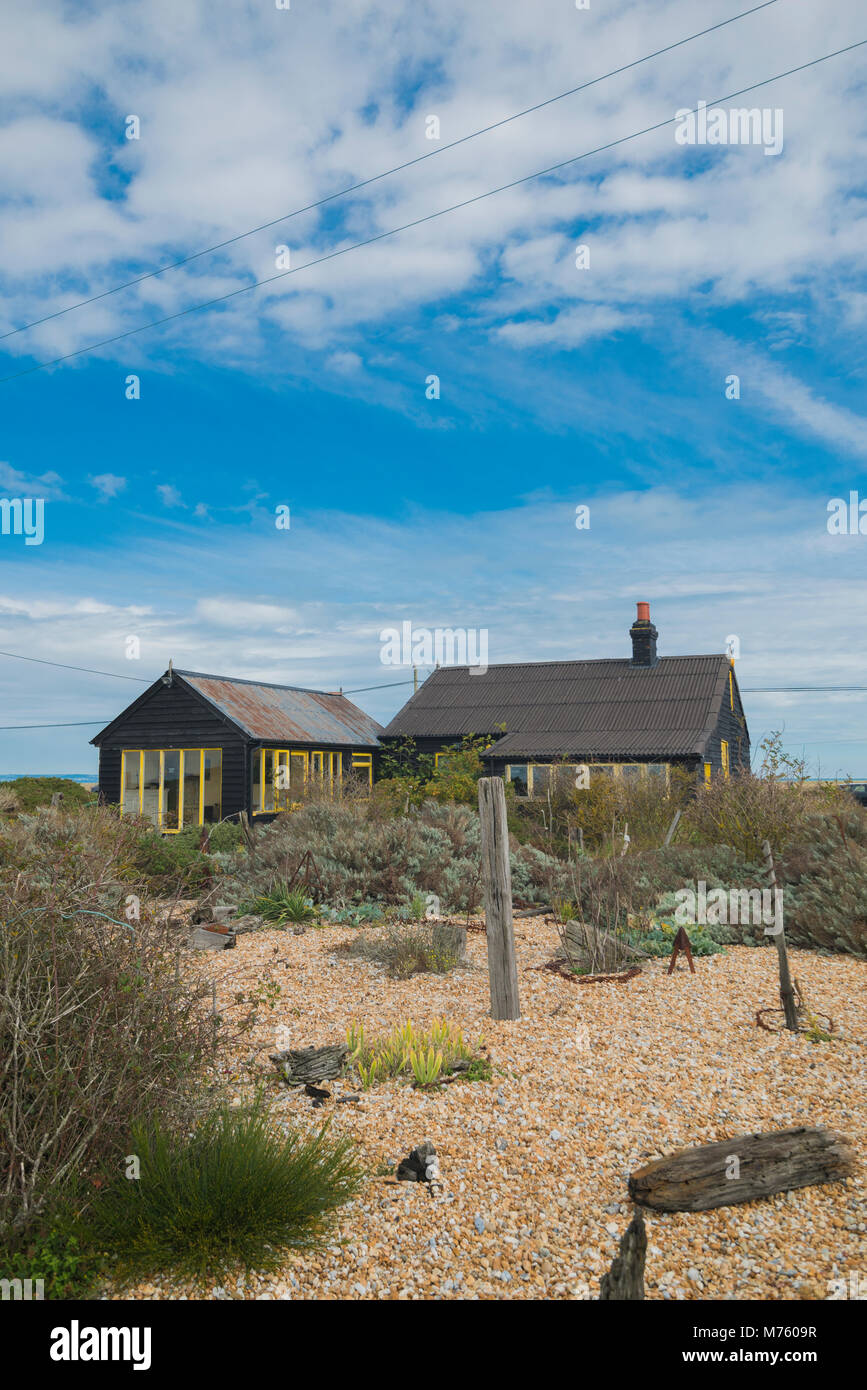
{"x": 108, "y": 484}
{"x": 20, "y": 484}
{"x": 245, "y": 115}
{"x": 169, "y": 494}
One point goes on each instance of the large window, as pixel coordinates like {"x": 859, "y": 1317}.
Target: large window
{"x": 362, "y": 767}
{"x": 173, "y": 787}
{"x": 281, "y": 776}
{"x": 537, "y": 779}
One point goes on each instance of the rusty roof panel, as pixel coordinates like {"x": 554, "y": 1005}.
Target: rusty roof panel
{"x": 287, "y": 713}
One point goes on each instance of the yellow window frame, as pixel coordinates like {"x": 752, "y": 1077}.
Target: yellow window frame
{"x": 724, "y": 756}
{"x": 708, "y": 771}
{"x": 325, "y": 767}
{"x": 363, "y": 762}
{"x": 182, "y": 755}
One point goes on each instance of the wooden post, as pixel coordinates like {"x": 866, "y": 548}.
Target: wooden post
{"x": 787, "y": 993}
{"x": 625, "y": 1279}
{"x": 671, "y": 829}
{"x": 497, "y": 887}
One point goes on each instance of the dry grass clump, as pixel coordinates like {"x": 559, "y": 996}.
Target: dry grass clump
{"x": 407, "y": 950}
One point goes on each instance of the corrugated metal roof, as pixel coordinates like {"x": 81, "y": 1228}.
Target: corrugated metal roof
{"x": 285, "y": 712}
{"x": 589, "y": 708}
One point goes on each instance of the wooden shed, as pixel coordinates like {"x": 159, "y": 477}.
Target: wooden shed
{"x": 195, "y": 749}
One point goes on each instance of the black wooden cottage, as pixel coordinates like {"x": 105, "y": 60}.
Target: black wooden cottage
{"x": 625, "y": 718}
{"x": 195, "y": 749}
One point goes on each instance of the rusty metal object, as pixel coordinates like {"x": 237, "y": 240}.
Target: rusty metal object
{"x": 681, "y": 943}
{"x": 306, "y": 871}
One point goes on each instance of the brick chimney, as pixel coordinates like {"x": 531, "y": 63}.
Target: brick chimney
{"x": 644, "y": 636}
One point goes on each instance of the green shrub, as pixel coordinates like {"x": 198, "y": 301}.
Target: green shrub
{"x": 281, "y": 905}
{"x": 33, "y": 792}
{"x": 365, "y": 854}
{"x": 825, "y": 883}
{"x": 426, "y": 1057}
{"x": 364, "y": 915}
{"x": 53, "y": 1254}
{"x": 96, "y": 1028}
{"x": 233, "y": 1193}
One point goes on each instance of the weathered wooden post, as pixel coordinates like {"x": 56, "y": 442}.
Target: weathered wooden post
{"x": 497, "y": 888}
{"x": 672, "y": 828}
{"x": 787, "y": 993}
{"x": 625, "y": 1279}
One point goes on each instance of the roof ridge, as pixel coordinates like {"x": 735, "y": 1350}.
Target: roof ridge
{"x": 244, "y": 680}
{"x": 581, "y": 661}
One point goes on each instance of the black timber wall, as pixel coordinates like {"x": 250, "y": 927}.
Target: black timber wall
{"x": 173, "y": 717}
{"x": 731, "y": 726}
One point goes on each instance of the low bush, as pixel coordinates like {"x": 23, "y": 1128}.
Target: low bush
{"x": 744, "y": 811}
{"x": 30, "y": 793}
{"x": 232, "y": 1193}
{"x": 282, "y": 905}
{"x": 96, "y": 1028}
{"x": 365, "y": 854}
{"x": 425, "y": 1057}
{"x": 825, "y": 883}
{"x": 412, "y": 950}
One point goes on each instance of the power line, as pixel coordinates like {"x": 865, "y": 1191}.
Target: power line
{"x": 792, "y": 689}
{"x": 144, "y": 680}
{"x": 386, "y": 173}
{"x": 16, "y": 656}
{"x": 76, "y": 724}
{"x": 419, "y": 221}
{"x": 388, "y": 684}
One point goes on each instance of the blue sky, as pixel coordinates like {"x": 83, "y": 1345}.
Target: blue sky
{"x": 558, "y": 386}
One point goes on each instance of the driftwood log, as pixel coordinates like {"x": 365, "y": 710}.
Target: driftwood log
{"x": 742, "y": 1169}
{"x": 625, "y": 1279}
{"x": 306, "y": 1065}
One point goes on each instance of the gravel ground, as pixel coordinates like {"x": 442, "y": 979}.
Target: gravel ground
{"x": 593, "y": 1081}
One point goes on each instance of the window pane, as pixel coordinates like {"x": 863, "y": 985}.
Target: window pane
{"x": 541, "y": 779}
{"x": 656, "y": 770}
{"x": 213, "y": 809}
{"x": 297, "y": 774}
{"x": 517, "y": 774}
{"x": 601, "y": 770}
{"x": 281, "y": 781}
{"x": 336, "y": 771}
{"x": 362, "y": 767}
{"x": 630, "y": 772}
{"x": 171, "y": 788}
{"x": 129, "y": 796}
{"x": 257, "y": 781}
{"x": 151, "y": 785}
{"x": 192, "y": 759}
{"x": 269, "y": 780}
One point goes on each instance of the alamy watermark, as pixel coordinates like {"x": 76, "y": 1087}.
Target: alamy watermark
{"x": 23, "y": 516}
{"x": 714, "y": 125}
{"x": 438, "y": 646}
{"x": 737, "y": 906}
{"x": 25, "y": 1290}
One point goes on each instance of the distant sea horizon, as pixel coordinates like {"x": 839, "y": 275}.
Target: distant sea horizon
{"x": 68, "y": 776}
